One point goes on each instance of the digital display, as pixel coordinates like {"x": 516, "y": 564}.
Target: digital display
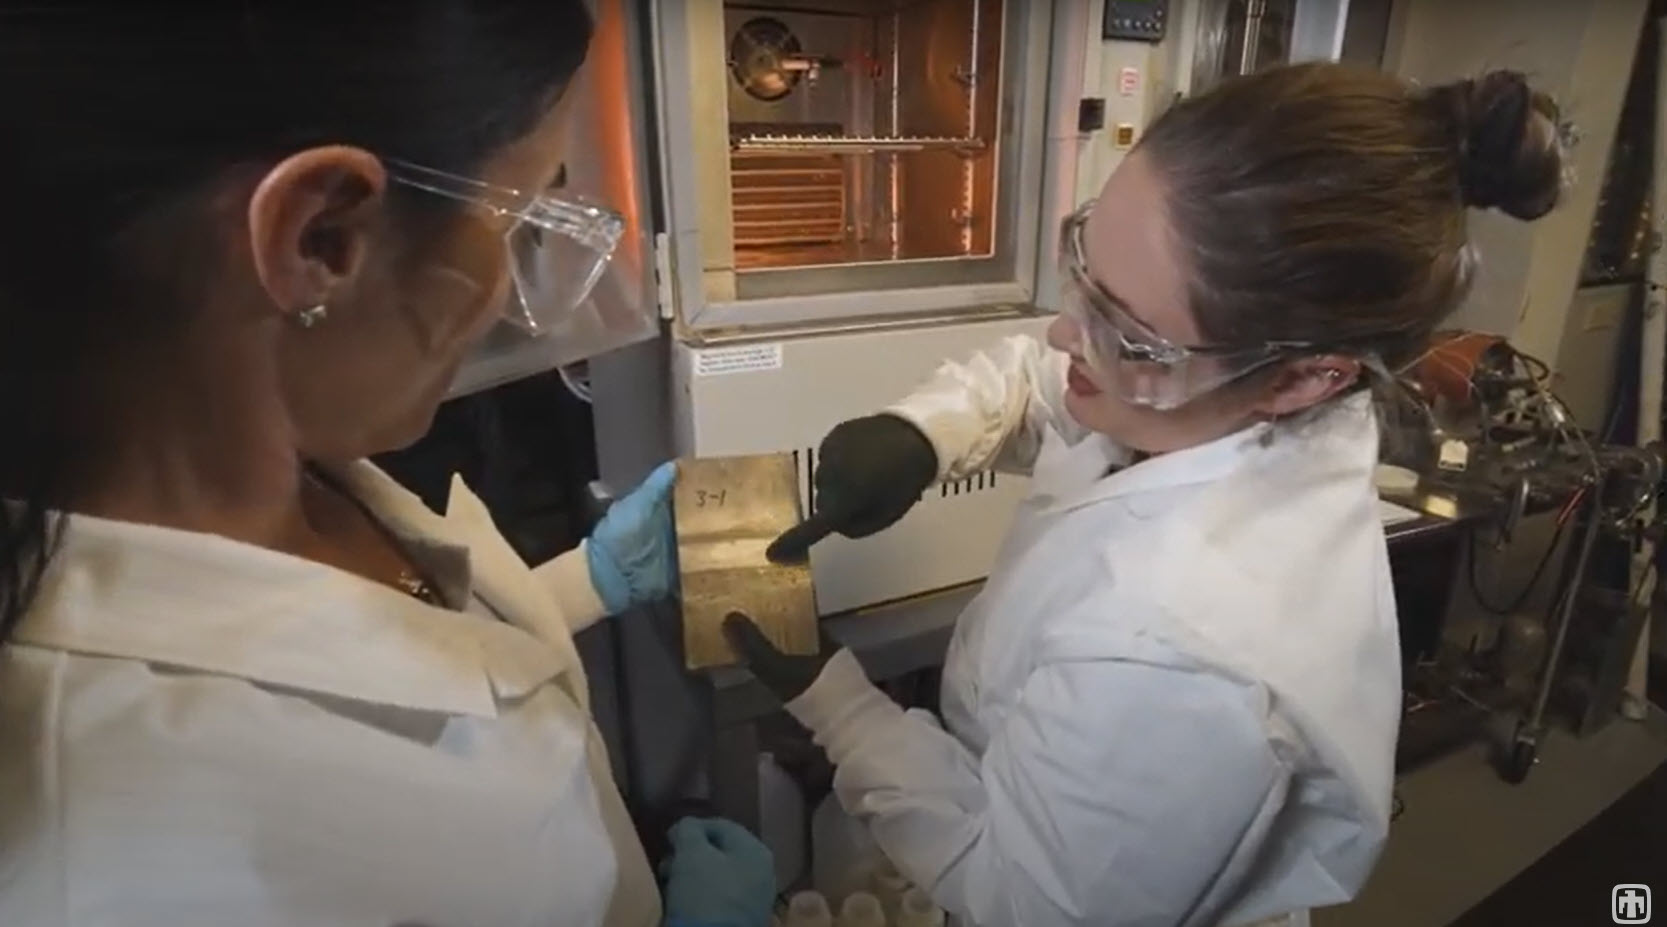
{"x": 1137, "y": 20}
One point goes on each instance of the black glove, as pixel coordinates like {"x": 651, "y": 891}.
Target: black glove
{"x": 787, "y": 675}
{"x": 870, "y": 473}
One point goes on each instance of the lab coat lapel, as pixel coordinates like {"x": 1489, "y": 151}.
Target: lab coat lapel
{"x": 498, "y": 577}
{"x": 504, "y": 582}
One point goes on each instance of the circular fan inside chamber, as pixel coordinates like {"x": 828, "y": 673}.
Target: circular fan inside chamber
{"x": 758, "y": 53}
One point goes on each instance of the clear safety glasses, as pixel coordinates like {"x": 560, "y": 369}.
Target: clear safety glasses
{"x": 559, "y": 247}
{"x": 1127, "y": 358}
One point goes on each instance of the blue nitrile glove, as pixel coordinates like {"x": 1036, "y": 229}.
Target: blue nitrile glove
{"x": 718, "y": 875}
{"x": 633, "y": 551}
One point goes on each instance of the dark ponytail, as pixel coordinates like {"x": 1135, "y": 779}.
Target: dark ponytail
{"x": 116, "y": 118}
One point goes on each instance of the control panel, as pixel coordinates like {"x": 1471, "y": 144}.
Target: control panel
{"x": 1136, "y": 20}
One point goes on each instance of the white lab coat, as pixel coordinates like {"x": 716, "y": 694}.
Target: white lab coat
{"x": 195, "y": 731}
{"x": 1175, "y": 701}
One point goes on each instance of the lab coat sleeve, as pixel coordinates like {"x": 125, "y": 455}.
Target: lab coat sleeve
{"x": 1113, "y": 794}
{"x": 992, "y": 411}
{"x": 567, "y": 577}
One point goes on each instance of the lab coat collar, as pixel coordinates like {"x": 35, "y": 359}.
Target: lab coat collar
{"x": 1209, "y": 462}
{"x": 499, "y": 576}
{"x": 1202, "y": 464}
{"x": 191, "y": 601}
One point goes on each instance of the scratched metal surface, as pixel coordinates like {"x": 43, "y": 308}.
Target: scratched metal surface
{"x": 728, "y": 511}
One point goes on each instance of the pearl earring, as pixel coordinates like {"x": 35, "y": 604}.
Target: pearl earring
{"x": 309, "y": 318}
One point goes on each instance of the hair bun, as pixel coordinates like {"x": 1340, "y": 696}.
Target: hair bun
{"x": 1510, "y": 156}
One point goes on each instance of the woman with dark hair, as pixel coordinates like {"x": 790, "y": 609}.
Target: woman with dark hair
{"x": 1175, "y": 701}
{"x": 247, "y": 679}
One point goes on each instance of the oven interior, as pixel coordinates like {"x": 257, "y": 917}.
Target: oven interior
{"x": 863, "y": 131}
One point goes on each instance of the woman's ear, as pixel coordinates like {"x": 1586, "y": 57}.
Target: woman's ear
{"x": 1306, "y": 382}
{"x": 310, "y": 220}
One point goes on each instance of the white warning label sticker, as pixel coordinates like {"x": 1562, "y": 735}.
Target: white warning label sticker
{"x": 742, "y": 358}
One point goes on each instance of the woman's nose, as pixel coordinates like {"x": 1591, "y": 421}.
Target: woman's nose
{"x": 1064, "y": 334}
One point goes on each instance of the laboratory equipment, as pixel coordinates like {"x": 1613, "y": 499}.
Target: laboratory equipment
{"x": 1137, "y": 20}
{"x": 1525, "y": 739}
{"x": 1464, "y": 369}
{"x": 808, "y": 909}
{"x": 861, "y": 910}
{"x": 827, "y": 166}
{"x": 1559, "y": 648}
{"x": 918, "y": 910}
{"x": 843, "y": 855}
{"x": 866, "y": 148}
{"x": 888, "y": 885}
{"x": 1232, "y": 37}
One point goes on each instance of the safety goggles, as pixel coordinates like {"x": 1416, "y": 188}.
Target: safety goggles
{"x": 1128, "y": 359}
{"x": 559, "y": 247}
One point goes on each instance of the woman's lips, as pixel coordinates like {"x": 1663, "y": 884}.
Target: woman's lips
{"x": 1079, "y": 383}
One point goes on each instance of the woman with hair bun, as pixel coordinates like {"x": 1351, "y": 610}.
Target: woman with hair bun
{"x": 1175, "y": 701}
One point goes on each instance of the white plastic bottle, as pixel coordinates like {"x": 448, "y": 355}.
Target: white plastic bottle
{"x": 808, "y": 909}
{"x": 781, "y": 819}
{"x": 918, "y": 910}
{"x": 862, "y": 910}
{"x": 843, "y": 856}
{"x": 888, "y": 885}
